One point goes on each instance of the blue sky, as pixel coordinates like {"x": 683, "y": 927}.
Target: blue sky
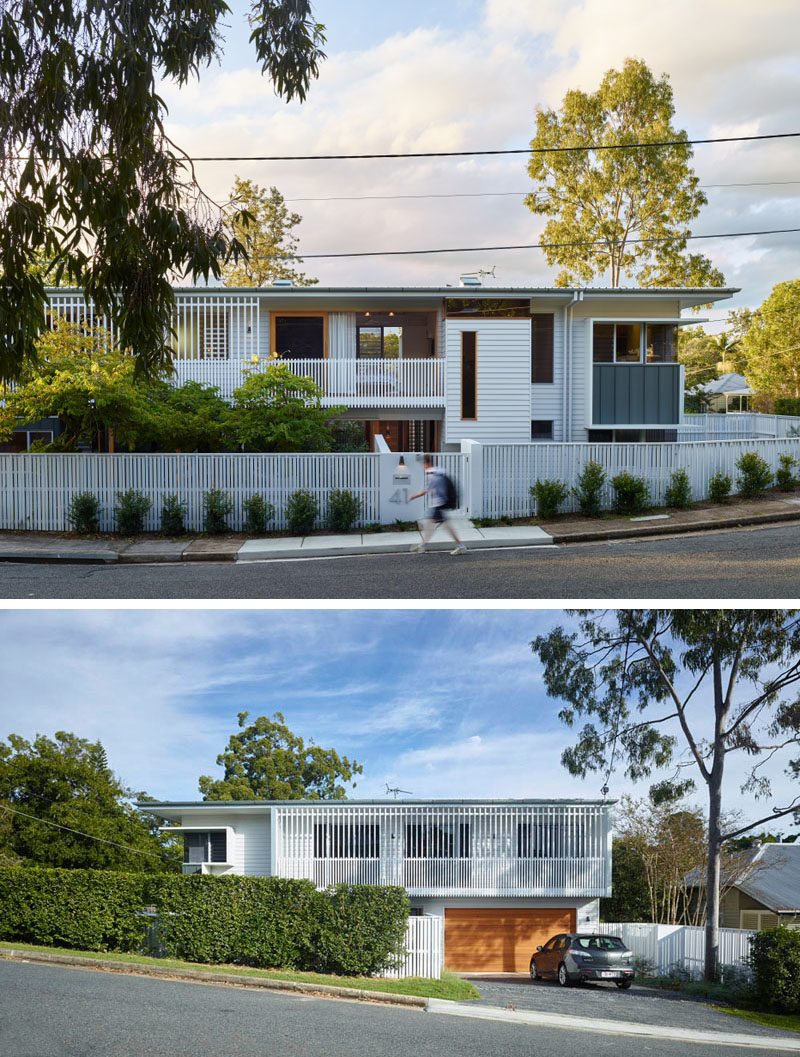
{"x": 469, "y": 74}
{"x": 443, "y": 703}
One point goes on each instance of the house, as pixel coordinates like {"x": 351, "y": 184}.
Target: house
{"x": 428, "y": 367}
{"x": 504, "y": 875}
{"x": 720, "y": 390}
{"x": 768, "y": 891}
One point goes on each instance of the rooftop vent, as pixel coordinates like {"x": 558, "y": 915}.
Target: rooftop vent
{"x": 469, "y": 280}
{"x": 282, "y": 282}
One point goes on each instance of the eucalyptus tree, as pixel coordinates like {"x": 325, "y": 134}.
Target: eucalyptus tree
{"x": 90, "y": 180}
{"x": 618, "y": 210}
{"x": 678, "y": 691}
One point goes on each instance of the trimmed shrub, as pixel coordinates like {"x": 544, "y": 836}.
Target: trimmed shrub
{"x": 787, "y": 405}
{"x": 302, "y": 511}
{"x": 679, "y": 491}
{"x": 173, "y": 516}
{"x": 775, "y": 960}
{"x": 549, "y": 496}
{"x": 590, "y": 485}
{"x": 755, "y": 476}
{"x": 344, "y": 509}
{"x": 719, "y": 487}
{"x": 632, "y": 495}
{"x": 217, "y": 507}
{"x": 257, "y": 512}
{"x": 361, "y": 929}
{"x": 271, "y": 922}
{"x": 84, "y": 513}
{"x": 91, "y": 910}
{"x": 784, "y": 475}
{"x": 132, "y": 508}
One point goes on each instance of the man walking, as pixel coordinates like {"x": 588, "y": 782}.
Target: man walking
{"x": 436, "y": 491}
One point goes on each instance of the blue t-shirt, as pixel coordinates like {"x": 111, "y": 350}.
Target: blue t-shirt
{"x": 437, "y": 487}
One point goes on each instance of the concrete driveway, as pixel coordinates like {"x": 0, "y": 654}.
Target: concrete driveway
{"x": 641, "y": 1005}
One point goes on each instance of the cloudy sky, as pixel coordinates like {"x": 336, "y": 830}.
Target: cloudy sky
{"x": 442, "y": 703}
{"x": 469, "y": 74}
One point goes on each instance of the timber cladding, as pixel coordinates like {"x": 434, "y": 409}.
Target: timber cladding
{"x": 499, "y": 940}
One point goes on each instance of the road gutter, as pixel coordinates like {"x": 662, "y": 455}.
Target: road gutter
{"x": 211, "y": 976}
{"x": 614, "y": 1027}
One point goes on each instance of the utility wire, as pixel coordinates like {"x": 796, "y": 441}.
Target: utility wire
{"x": 80, "y": 833}
{"x": 483, "y": 153}
{"x": 523, "y": 246}
{"x": 505, "y": 194}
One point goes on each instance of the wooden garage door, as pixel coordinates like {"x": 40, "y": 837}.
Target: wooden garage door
{"x": 499, "y": 940}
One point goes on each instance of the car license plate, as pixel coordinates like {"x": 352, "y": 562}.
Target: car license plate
{"x": 606, "y": 975}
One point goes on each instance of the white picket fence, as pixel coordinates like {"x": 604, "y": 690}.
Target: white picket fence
{"x": 509, "y": 470}
{"x": 673, "y": 949}
{"x": 425, "y": 946}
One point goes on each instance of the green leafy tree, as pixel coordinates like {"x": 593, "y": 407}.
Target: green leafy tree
{"x": 771, "y": 344}
{"x": 613, "y": 197}
{"x": 660, "y": 688}
{"x": 65, "y": 808}
{"x": 266, "y": 761}
{"x": 82, "y": 378}
{"x": 188, "y": 417}
{"x": 275, "y": 410}
{"x": 91, "y": 180}
{"x": 629, "y": 899}
{"x": 260, "y": 220}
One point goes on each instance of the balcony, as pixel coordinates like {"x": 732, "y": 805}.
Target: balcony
{"x": 465, "y": 850}
{"x": 351, "y": 382}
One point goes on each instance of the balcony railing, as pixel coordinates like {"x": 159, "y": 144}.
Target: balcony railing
{"x": 584, "y": 877}
{"x": 352, "y": 382}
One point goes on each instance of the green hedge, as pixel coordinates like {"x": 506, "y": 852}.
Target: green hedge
{"x": 775, "y": 960}
{"x": 272, "y": 922}
{"x": 268, "y": 922}
{"x": 92, "y": 910}
{"x": 787, "y": 405}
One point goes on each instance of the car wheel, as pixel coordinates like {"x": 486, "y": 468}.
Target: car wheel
{"x": 623, "y": 985}
{"x": 563, "y": 979}
{"x": 535, "y": 974}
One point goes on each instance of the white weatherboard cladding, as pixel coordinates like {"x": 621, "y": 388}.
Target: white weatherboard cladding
{"x": 578, "y": 389}
{"x": 546, "y": 403}
{"x": 503, "y": 380}
{"x": 587, "y": 910}
{"x": 249, "y": 846}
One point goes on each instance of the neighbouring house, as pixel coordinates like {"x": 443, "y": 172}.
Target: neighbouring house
{"x": 429, "y": 367}
{"x": 505, "y": 875}
{"x": 721, "y": 391}
{"x": 768, "y": 893}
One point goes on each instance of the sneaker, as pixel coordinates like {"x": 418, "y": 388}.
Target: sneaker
{"x": 418, "y": 548}
{"x": 460, "y": 549}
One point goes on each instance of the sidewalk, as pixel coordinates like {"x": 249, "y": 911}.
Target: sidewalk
{"x": 56, "y": 548}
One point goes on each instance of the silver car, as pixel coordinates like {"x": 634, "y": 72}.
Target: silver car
{"x": 573, "y": 957}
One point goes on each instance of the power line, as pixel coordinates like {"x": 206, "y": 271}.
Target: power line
{"x": 484, "y": 153}
{"x": 80, "y": 833}
{"x": 505, "y": 194}
{"x": 523, "y": 246}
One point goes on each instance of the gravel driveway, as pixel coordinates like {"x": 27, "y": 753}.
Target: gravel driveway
{"x": 642, "y": 1005}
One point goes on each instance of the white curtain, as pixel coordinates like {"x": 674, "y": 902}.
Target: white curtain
{"x": 342, "y": 335}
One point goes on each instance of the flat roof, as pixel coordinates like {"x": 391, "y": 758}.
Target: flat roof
{"x": 149, "y": 804}
{"x": 450, "y": 291}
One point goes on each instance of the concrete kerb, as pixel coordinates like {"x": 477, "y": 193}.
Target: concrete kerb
{"x": 212, "y": 976}
{"x": 615, "y": 1027}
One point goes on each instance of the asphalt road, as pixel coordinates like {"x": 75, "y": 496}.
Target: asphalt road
{"x": 758, "y": 563}
{"x": 58, "y": 1012}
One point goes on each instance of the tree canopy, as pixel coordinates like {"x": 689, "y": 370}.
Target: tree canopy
{"x": 771, "y": 343}
{"x": 61, "y": 805}
{"x": 266, "y": 231}
{"x": 266, "y": 761}
{"x": 671, "y": 690}
{"x": 89, "y": 178}
{"x": 275, "y": 410}
{"x": 612, "y": 198}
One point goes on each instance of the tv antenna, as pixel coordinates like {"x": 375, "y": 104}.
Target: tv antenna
{"x": 483, "y": 273}
{"x": 395, "y": 792}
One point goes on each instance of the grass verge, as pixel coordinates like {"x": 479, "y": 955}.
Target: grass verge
{"x": 449, "y": 986}
{"x": 787, "y": 1021}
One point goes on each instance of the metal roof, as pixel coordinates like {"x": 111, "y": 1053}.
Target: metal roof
{"x": 730, "y": 383}
{"x": 452, "y": 291}
{"x": 215, "y": 804}
{"x": 775, "y": 878}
